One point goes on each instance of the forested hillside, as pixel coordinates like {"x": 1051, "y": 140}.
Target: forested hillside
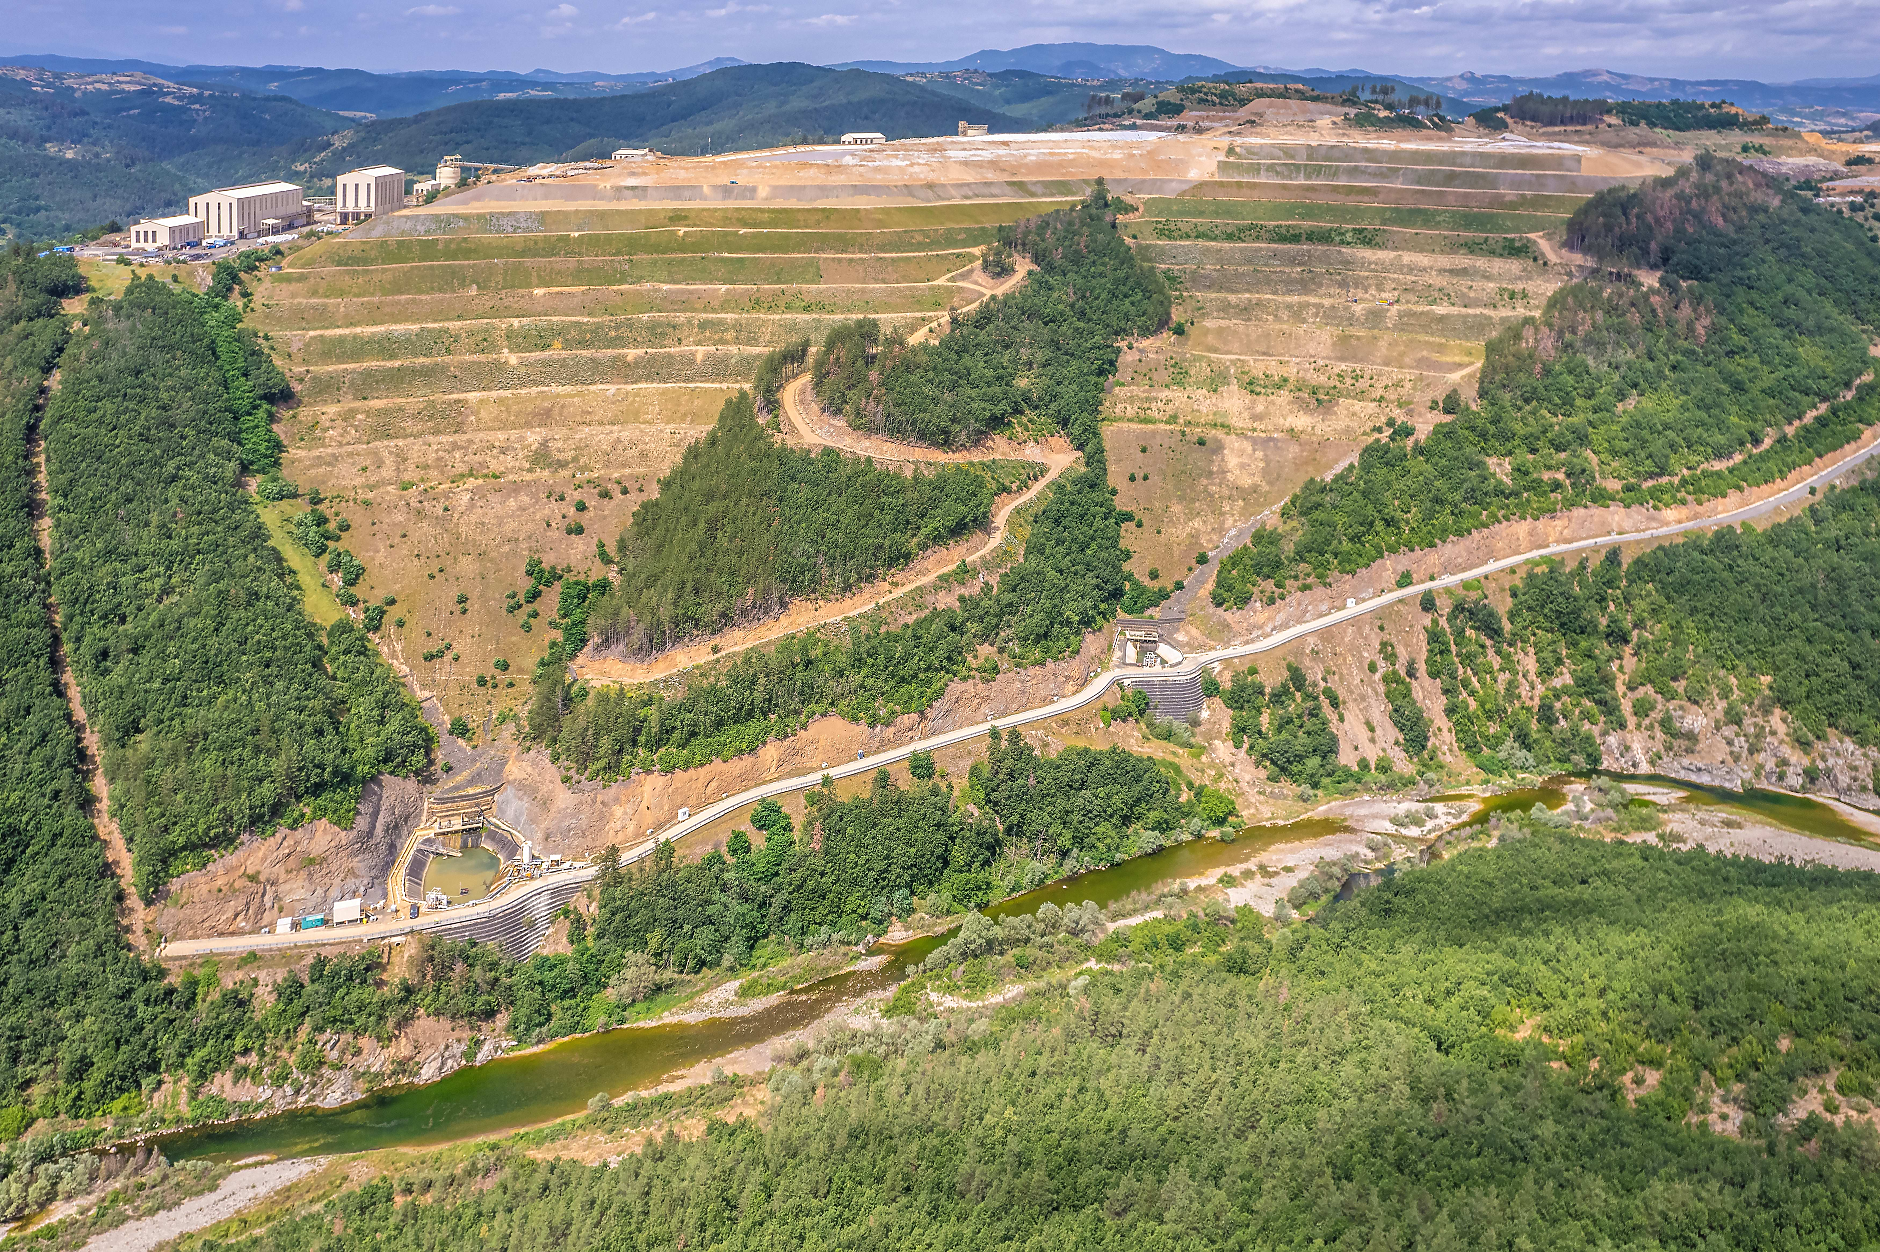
{"x": 207, "y": 684}
{"x": 1507, "y": 1049}
{"x": 744, "y": 524}
{"x": 1765, "y": 309}
{"x": 66, "y": 973}
{"x": 1070, "y": 580}
{"x": 1736, "y": 623}
{"x": 83, "y": 149}
{"x": 741, "y": 106}
{"x": 1705, "y": 620}
{"x": 1042, "y": 352}
{"x": 866, "y": 860}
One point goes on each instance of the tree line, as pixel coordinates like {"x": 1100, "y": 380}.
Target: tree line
{"x": 209, "y": 688}
{"x": 1764, "y": 310}
{"x": 744, "y": 524}
{"x": 1041, "y": 353}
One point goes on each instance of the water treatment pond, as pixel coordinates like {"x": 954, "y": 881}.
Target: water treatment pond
{"x": 465, "y": 877}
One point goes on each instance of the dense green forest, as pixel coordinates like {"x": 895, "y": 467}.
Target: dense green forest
{"x": 1687, "y": 115}
{"x": 1765, "y": 309}
{"x": 745, "y": 523}
{"x": 77, "y": 150}
{"x": 1070, "y": 580}
{"x": 206, "y": 682}
{"x": 84, "y": 1024}
{"x": 1556, "y": 110}
{"x": 738, "y": 107}
{"x": 65, "y": 971}
{"x": 1499, "y": 1051}
{"x": 1042, "y": 352}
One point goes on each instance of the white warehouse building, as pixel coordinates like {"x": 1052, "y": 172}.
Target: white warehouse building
{"x": 166, "y": 232}
{"x": 250, "y": 210}
{"x": 366, "y": 192}
{"x": 858, "y": 138}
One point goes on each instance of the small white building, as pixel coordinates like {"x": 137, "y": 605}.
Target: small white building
{"x": 249, "y": 210}
{"x": 632, "y": 154}
{"x": 858, "y": 138}
{"x": 968, "y": 129}
{"x": 366, "y": 192}
{"x": 166, "y": 232}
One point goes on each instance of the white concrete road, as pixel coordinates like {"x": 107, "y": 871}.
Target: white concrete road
{"x": 1091, "y": 692}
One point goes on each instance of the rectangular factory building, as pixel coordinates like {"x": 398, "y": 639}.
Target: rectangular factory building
{"x": 367, "y": 192}
{"x": 249, "y": 210}
{"x": 166, "y": 232}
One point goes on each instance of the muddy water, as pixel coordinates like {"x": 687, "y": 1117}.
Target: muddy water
{"x": 551, "y": 1082}
{"x": 468, "y": 875}
{"x": 1796, "y": 813}
{"x": 1193, "y": 859}
{"x": 533, "y": 1087}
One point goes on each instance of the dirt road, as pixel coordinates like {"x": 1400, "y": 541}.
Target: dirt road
{"x": 813, "y": 428}
{"x": 116, "y": 851}
{"x": 1100, "y": 685}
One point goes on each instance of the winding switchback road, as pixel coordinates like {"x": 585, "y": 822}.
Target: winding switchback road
{"x": 1090, "y": 693}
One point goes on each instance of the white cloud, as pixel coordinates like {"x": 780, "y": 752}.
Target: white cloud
{"x": 434, "y": 10}
{"x": 562, "y": 12}
{"x": 831, "y": 19}
{"x": 631, "y": 20}
{"x": 733, "y": 8}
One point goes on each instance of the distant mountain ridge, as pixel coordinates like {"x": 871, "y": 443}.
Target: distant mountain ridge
{"x": 1806, "y": 101}
{"x": 1066, "y": 60}
{"x": 77, "y": 150}
{"x": 739, "y": 107}
{"x": 400, "y": 94}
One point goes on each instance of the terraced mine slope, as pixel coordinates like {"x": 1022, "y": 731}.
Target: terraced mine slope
{"x": 480, "y": 387}
{"x": 1328, "y": 289}
{"x": 474, "y": 375}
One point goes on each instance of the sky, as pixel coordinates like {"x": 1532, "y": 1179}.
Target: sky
{"x": 1774, "y": 41}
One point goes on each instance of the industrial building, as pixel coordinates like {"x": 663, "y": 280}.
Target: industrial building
{"x": 167, "y": 232}
{"x": 971, "y": 128}
{"x": 250, "y": 210}
{"x": 450, "y": 170}
{"x": 857, "y": 138}
{"x": 632, "y": 154}
{"x": 362, "y": 193}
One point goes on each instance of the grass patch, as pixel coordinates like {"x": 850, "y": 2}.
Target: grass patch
{"x": 475, "y": 278}
{"x": 728, "y": 216}
{"x": 1169, "y": 212}
{"x": 1415, "y": 176}
{"x": 665, "y": 242}
{"x": 408, "y": 379}
{"x": 275, "y": 313}
{"x": 403, "y": 343}
{"x": 315, "y": 595}
{"x": 1557, "y": 204}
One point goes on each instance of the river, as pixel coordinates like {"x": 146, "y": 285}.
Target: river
{"x": 556, "y": 1080}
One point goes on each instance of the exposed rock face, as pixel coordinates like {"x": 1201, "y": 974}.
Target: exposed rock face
{"x": 297, "y": 871}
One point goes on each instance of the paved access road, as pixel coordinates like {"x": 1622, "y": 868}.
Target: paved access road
{"x": 1089, "y": 694}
